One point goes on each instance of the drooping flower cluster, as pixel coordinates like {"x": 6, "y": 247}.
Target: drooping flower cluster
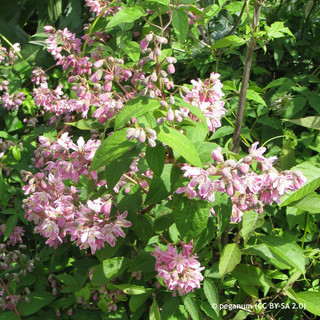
{"x": 53, "y": 202}
{"x": 181, "y": 272}
{"x": 102, "y": 6}
{"x": 207, "y": 96}
{"x": 249, "y": 190}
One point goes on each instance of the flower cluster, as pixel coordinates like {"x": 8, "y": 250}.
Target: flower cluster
{"x": 207, "y": 96}
{"x": 180, "y": 272}
{"x": 249, "y": 190}
{"x": 53, "y": 202}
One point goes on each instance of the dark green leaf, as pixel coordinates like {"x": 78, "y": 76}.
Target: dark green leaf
{"x": 180, "y": 23}
{"x": 38, "y": 300}
{"x": 155, "y": 158}
{"x": 191, "y": 306}
{"x": 230, "y": 258}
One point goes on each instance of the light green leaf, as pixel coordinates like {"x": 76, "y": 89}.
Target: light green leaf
{"x": 211, "y": 294}
{"x": 164, "y": 2}
{"x": 154, "y": 311}
{"x": 287, "y": 250}
{"x": 131, "y": 289}
{"x": 277, "y": 30}
{"x": 190, "y": 216}
{"x": 253, "y": 95}
{"x": 136, "y": 301}
{"x": 309, "y": 299}
{"x": 191, "y": 306}
{"x": 308, "y": 122}
{"x": 310, "y": 203}
{"x": 126, "y": 15}
{"x": 84, "y": 124}
{"x": 180, "y": 23}
{"x": 109, "y": 269}
{"x": 179, "y": 143}
{"x": 312, "y": 173}
{"x": 135, "y": 108}
{"x": 230, "y": 41}
{"x": 230, "y": 258}
{"x": 132, "y": 49}
{"x": 251, "y": 220}
{"x": 112, "y": 148}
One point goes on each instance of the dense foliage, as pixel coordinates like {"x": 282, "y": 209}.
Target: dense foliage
{"x": 159, "y": 159}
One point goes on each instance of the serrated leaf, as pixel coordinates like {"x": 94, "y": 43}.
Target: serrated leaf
{"x": 112, "y": 148}
{"x": 154, "y": 311}
{"x": 126, "y": 15}
{"x": 312, "y": 173}
{"x": 180, "y": 23}
{"x": 308, "y": 122}
{"x": 179, "y": 143}
{"x": 250, "y": 221}
{"x": 191, "y": 306}
{"x": 277, "y": 30}
{"x": 287, "y": 250}
{"x": 190, "y": 216}
{"x": 253, "y": 95}
{"x": 230, "y": 258}
{"x": 11, "y": 223}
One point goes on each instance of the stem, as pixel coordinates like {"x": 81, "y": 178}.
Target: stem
{"x": 245, "y": 80}
{"x": 11, "y": 45}
{"x": 271, "y": 140}
{"x": 239, "y": 19}
{"x": 305, "y": 231}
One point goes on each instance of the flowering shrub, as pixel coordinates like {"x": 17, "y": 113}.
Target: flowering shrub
{"x": 124, "y": 191}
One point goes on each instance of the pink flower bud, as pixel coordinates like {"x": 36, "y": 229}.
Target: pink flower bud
{"x": 171, "y": 69}
{"x": 154, "y": 77}
{"x": 144, "y": 44}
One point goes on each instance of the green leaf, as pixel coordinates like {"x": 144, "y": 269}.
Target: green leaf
{"x": 287, "y": 250}
{"x": 109, "y": 269}
{"x": 112, "y": 148}
{"x": 154, "y": 311}
{"x": 277, "y": 30}
{"x": 310, "y": 203}
{"x": 263, "y": 251}
{"x": 230, "y": 41}
{"x": 164, "y": 2}
{"x": 312, "y": 173}
{"x": 230, "y": 258}
{"x": 249, "y": 277}
{"x": 295, "y": 105}
{"x": 308, "y": 122}
{"x": 9, "y": 315}
{"x": 86, "y": 124}
{"x": 251, "y": 220}
{"x": 116, "y": 168}
{"x": 222, "y": 132}
{"x": 223, "y": 209}
{"x": 194, "y": 110}
{"x": 132, "y": 49}
{"x": 38, "y": 300}
{"x": 253, "y": 95}
{"x": 137, "y": 301}
{"x": 135, "y": 108}
{"x": 180, "y": 23}
{"x": 155, "y": 158}
{"x": 191, "y": 306}
{"x": 125, "y": 15}
{"x": 161, "y": 187}
{"x": 179, "y": 143}
{"x": 212, "y": 296}
{"x": 190, "y": 216}
{"x": 314, "y": 101}
{"x": 131, "y": 289}
{"x": 309, "y": 299}
{"x": 11, "y": 223}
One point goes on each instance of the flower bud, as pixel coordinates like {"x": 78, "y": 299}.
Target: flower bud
{"x": 171, "y": 69}
{"x": 170, "y": 115}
